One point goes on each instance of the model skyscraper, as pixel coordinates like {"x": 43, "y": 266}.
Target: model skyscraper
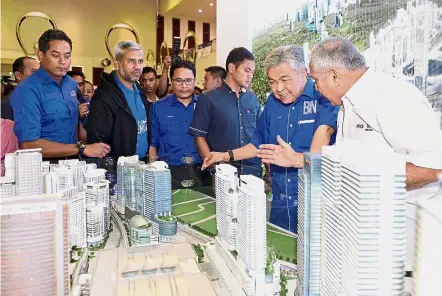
{"x": 34, "y": 246}
{"x": 309, "y": 226}
{"x": 372, "y": 226}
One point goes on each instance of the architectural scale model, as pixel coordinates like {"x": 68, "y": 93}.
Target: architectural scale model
{"x": 34, "y": 245}
{"x": 240, "y": 253}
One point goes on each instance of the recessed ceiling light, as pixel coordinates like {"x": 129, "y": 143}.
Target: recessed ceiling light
{"x": 211, "y": 4}
{"x": 200, "y": 10}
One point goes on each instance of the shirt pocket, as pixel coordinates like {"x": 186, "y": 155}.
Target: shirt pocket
{"x": 305, "y": 132}
{"x": 56, "y": 114}
{"x": 250, "y": 118}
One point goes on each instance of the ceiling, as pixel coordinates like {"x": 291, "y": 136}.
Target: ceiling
{"x": 189, "y": 9}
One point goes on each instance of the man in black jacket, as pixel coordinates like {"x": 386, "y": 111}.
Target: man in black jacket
{"x": 119, "y": 111}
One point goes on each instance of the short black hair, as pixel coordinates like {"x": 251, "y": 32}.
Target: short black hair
{"x": 76, "y": 73}
{"x": 52, "y": 35}
{"x": 238, "y": 55}
{"x": 179, "y": 64}
{"x": 217, "y": 72}
{"x": 149, "y": 70}
{"x": 86, "y": 81}
{"x": 19, "y": 64}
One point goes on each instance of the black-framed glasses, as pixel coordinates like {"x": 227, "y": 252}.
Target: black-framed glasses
{"x": 179, "y": 81}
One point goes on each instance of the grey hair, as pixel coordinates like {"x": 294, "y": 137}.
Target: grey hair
{"x": 336, "y": 52}
{"x": 125, "y": 45}
{"x": 289, "y": 54}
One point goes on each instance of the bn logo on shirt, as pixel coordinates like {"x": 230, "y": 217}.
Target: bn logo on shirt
{"x": 309, "y": 107}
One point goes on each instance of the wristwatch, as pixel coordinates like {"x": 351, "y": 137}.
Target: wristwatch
{"x": 232, "y": 157}
{"x": 81, "y": 146}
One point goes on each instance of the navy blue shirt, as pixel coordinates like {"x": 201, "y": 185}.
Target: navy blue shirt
{"x": 138, "y": 110}
{"x": 45, "y": 109}
{"x": 170, "y": 121}
{"x": 227, "y": 122}
{"x": 296, "y": 124}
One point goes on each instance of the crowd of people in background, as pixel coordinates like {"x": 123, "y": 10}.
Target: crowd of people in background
{"x": 136, "y": 111}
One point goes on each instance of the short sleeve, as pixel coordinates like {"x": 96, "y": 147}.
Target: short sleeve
{"x": 201, "y": 118}
{"x": 26, "y": 105}
{"x": 155, "y": 126}
{"x": 327, "y": 114}
{"x": 260, "y": 131}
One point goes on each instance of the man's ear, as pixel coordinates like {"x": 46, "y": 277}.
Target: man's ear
{"x": 231, "y": 68}
{"x": 335, "y": 77}
{"x": 18, "y": 76}
{"x": 40, "y": 55}
{"x": 117, "y": 64}
{"x": 219, "y": 82}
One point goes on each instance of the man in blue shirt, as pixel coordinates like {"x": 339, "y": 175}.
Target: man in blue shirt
{"x": 225, "y": 117}
{"x": 45, "y": 104}
{"x": 119, "y": 111}
{"x": 298, "y": 114}
{"x": 171, "y": 118}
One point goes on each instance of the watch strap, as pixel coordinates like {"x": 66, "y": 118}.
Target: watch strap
{"x": 231, "y": 156}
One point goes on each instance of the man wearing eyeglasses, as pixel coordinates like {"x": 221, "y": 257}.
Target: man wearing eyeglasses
{"x": 171, "y": 118}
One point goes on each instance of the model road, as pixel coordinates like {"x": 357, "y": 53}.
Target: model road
{"x": 120, "y": 225}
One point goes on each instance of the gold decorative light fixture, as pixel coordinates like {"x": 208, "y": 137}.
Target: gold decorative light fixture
{"x": 190, "y": 54}
{"x": 162, "y": 56}
{"x": 27, "y": 15}
{"x": 152, "y": 56}
{"x": 106, "y": 61}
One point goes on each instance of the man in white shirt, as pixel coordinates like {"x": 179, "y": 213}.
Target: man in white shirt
{"x": 377, "y": 109}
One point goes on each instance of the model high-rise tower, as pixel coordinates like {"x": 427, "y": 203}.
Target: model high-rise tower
{"x": 372, "y": 221}
{"x": 28, "y": 178}
{"x": 77, "y": 217}
{"x": 309, "y": 226}
{"x": 226, "y": 189}
{"x": 427, "y": 273}
{"x": 120, "y": 186}
{"x": 97, "y": 211}
{"x": 34, "y": 246}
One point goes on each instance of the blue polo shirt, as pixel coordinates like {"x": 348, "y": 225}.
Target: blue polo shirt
{"x": 45, "y": 109}
{"x": 227, "y": 122}
{"x": 170, "y": 121}
{"x": 296, "y": 124}
{"x": 138, "y": 110}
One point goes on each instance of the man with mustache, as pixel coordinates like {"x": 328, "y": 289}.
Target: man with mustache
{"x": 45, "y": 105}
{"x": 119, "y": 112}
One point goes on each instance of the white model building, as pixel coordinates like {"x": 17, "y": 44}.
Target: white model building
{"x": 129, "y": 173}
{"x": 154, "y": 197}
{"x": 427, "y": 275}
{"x": 372, "y": 221}
{"x": 226, "y": 186}
{"x": 309, "y": 226}
{"x": 28, "y": 172}
{"x": 97, "y": 211}
{"x": 331, "y": 232}
{"x": 120, "y": 188}
{"x": 77, "y": 216}
{"x": 94, "y": 175}
{"x": 34, "y": 246}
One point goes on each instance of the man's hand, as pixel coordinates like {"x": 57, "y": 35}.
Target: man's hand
{"x": 215, "y": 157}
{"x": 99, "y": 150}
{"x": 282, "y": 155}
{"x": 84, "y": 109}
{"x": 167, "y": 62}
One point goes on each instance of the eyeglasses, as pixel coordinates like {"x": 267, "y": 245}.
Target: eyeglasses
{"x": 179, "y": 81}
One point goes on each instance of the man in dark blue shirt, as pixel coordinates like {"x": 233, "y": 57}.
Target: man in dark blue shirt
{"x": 45, "y": 105}
{"x": 295, "y": 112}
{"x": 225, "y": 117}
{"x": 171, "y": 118}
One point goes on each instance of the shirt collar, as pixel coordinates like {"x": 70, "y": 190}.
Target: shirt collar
{"x": 123, "y": 87}
{"x": 44, "y": 77}
{"x": 356, "y": 93}
{"x": 173, "y": 99}
{"x": 230, "y": 90}
{"x": 308, "y": 88}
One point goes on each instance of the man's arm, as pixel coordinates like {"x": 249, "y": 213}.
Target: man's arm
{"x": 419, "y": 176}
{"x": 245, "y": 152}
{"x": 82, "y": 135}
{"x": 321, "y": 138}
{"x": 153, "y": 154}
{"x": 51, "y": 149}
{"x": 202, "y": 146}
{"x": 163, "y": 84}
{"x": 100, "y": 121}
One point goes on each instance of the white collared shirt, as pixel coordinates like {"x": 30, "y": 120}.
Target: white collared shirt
{"x": 382, "y": 110}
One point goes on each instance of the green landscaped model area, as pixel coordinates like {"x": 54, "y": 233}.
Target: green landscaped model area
{"x": 199, "y": 210}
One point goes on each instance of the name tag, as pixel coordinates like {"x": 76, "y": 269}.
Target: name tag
{"x": 306, "y": 121}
